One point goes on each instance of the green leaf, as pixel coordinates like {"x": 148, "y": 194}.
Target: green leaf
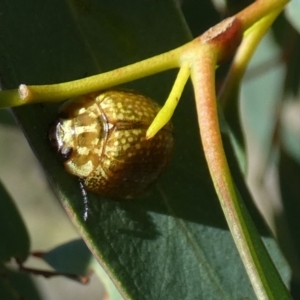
{"x": 16, "y": 285}
{"x": 289, "y": 176}
{"x": 13, "y": 234}
{"x": 289, "y": 183}
{"x": 6, "y": 291}
{"x": 173, "y": 242}
{"x": 6, "y": 117}
{"x": 14, "y": 244}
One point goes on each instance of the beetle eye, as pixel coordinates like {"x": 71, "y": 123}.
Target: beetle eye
{"x": 65, "y": 153}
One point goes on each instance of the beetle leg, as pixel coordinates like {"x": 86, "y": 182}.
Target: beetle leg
{"x": 85, "y": 200}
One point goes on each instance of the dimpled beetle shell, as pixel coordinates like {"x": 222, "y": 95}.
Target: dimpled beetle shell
{"x": 101, "y": 138}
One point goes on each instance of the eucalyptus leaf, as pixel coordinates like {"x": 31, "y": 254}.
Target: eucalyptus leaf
{"x": 17, "y": 285}
{"x": 13, "y": 234}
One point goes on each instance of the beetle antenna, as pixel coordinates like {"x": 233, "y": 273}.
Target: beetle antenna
{"x": 85, "y": 200}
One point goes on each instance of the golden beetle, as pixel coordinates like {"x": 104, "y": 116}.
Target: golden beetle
{"x": 101, "y": 139}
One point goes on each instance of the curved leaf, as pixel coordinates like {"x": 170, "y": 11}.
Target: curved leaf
{"x": 13, "y": 234}
{"x": 17, "y": 285}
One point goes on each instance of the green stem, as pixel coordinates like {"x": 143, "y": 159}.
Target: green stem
{"x": 61, "y": 91}
{"x": 260, "y": 269}
{"x": 172, "y": 59}
{"x": 10, "y": 98}
{"x": 165, "y": 114}
{"x": 245, "y": 52}
{"x": 258, "y": 10}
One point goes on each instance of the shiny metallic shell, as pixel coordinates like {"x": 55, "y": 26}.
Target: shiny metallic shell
{"x": 101, "y": 138}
